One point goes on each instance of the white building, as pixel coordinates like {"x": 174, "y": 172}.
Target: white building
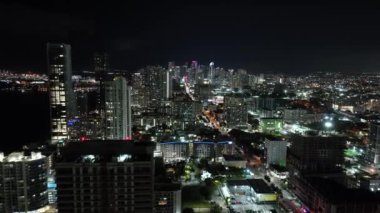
{"x": 234, "y": 161}
{"x": 276, "y": 152}
{"x": 174, "y": 151}
{"x": 118, "y": 109}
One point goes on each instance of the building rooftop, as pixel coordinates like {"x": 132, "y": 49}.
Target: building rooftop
{"x": 20, "y": 157}
{"x": 258, "y": 185}
{"x": 233, "y": 158}
{"x": 106, "y": 151}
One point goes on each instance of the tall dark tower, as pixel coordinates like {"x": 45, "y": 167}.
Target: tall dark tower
{"x": 62, "y": 100}
{"x": 101, "y": 62}
{"x": 101, "y": 67}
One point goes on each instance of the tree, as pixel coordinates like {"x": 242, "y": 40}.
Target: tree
{"x": 205, "y": 192}
{"x": 203, "y": 163}
{"x": 255, "y": 124}
{"x": 215, "y": 208}
{"x": 188, "y": 210}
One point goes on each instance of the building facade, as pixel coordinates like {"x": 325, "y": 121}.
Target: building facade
{"x": 374, "y": 139}
{"x": 23, "y": 182}
{"x": 174, "y": 151}
{"x": 106, "y": 176}
{"x": 62, "y": 99}
{"x": 168, "y": 198}
{"x": 118, "y": 110}
{"x": 276, "y": 152}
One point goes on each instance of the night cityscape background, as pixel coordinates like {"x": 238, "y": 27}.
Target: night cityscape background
{"x": 196, "y": 106}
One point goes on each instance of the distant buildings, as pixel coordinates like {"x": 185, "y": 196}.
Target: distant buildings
{"x": 177, "y": 151}
{"x": 101, "y": 67}
{"x": 23, "y": 182}
{"x": 174, "y": 151}
{"x": 167, "y": 84}
{"x": 118, "y": 109}
{"x": 235, "y": 110}
{"x": 158, "y": 82}
{"x": 271, "y": 125}
{"x": 62, "y": 99}
{"x": 185, "y": 111}
{"x": 106, "y": 176}
{"x": 374, "y": 139}
{"x": 203, "y": 149}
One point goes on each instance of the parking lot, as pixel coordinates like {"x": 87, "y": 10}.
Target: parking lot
{"x": 242, "y": 201}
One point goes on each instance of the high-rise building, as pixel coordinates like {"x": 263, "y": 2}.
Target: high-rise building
{"x": 101, "y": 67}
{"x": 82, "y": 103}
{"x": 154, "y": 82}
{"x": 168, "y": 84}
{"x": 325, "y": 195}
{"x": 101, "y": 62}
{"x": 186, "y": 110}
{"x": 316, "y": 155}
{"x": 171, "y": 65}
{"x": 62, "y": 99}
{"x": 118, "y": 111}
{"x": 140, "y": 93}
{"x": 239, "y": 79}
{"x": 212, "y": 72}
{"x": 23, "y": 182}
{"x": 236, "y": 113}
{"x": 106, "y": 176}
{"x": 374, "y": 139}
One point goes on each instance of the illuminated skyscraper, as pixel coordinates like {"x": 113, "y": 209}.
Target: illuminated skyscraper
{"x": 118, "y": 109}
{"x": 212, "y": 72}
{"x": 374, "y": 139}
{"x": 168, "y": 84}
{"x": 62, "y": 100}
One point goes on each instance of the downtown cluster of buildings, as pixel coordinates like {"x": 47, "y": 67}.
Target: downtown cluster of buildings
{"x": 312, "y": 143}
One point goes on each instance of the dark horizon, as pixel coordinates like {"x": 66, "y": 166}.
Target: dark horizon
{"x": 260, "y": 36}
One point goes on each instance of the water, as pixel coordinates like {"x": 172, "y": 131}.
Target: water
{"x": 24, "y": 119}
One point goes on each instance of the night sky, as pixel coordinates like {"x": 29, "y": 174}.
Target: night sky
{"x": 261, "y": 36}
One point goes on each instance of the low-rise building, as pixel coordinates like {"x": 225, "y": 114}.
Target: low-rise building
{"x": 174, "y": 151}
{"x": 234, "y": 161}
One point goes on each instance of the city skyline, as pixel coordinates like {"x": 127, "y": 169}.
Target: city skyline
{"x": 270, "y": 36}
{"x": 201, "y": 106}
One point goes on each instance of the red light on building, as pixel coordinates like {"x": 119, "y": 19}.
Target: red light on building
{"x": 83, "y": 138}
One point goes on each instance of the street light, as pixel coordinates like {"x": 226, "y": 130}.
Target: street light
{"x": 328, "y": 124}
